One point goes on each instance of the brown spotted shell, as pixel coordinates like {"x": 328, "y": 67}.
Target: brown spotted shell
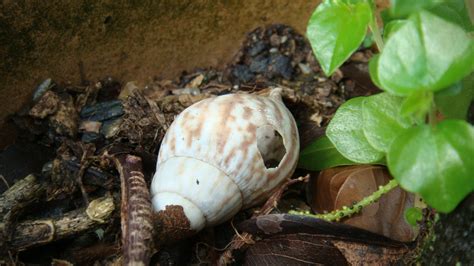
{"x": 223, "y": 154}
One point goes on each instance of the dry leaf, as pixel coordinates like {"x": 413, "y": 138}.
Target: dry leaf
{"x": 302, "y": 240}
{"x": 344, "y": 186}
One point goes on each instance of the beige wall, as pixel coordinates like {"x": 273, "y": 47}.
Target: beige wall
{"x": 129, "y": 40}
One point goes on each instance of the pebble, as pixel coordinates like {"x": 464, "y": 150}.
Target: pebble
{"x": 273, "y": 50}
{"x": 257, "y": 48}
{"x": 191, "y": 91}
{"x": 259, "y": 64}
{"x": 281, "y": 65}
{"x": 102, "y": 111}
{"x": 305, "y": 68}
{"x": 42, "y": 88}
{"x": 111, "y": 127}
{"x": 242, "y": 73}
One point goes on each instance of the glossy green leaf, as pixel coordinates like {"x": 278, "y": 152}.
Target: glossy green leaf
{"x": 336, "y": 29}
{"x": 427, "y": 53}
{"x": 382, "y": 121}
{"x": 386, "y": 16}
{"x": 454, "y": 11}
{"x": 346, "y": 133}
{"x": 452, "y": 90}
{"x": 392, "y": 27}
{"x": 373, "y": 65}
{"x": 413, "y": 215}
{"x": 417, "y": 105}
{"x": 457, "y": 105}
{"x": 321, "y": 154}
{"x": 368, "y": 40}
{"x": 436, "y": 162}
{"x": 403, "y": 8}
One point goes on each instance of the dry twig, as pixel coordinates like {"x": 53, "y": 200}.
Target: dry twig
{"x": 136, "y": 212}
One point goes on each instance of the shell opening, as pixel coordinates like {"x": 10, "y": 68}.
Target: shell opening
{"x": 270, "y": 146}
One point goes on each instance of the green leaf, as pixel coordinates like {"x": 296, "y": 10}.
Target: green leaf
{"x": 368, "y": 40}
{"x": 336, "y": 29}
{"x": 386, "y": 16}
{"x": 373, "y": 65}
{"x": 392, "y": 27}
{"x": 413, "y": 215}
{"x": 457, "y": 105}
{"x": 346, "y": 133}
{"x": 454, "y": 11}
{"x": 427, "y": 53}
{"x": 417, "y": 105}
{"x": 382, "y": 121}
{"x": 321, "y": 154}
{"x": 452, "y": 90}
{"x": 403, "y": 8}
{"x": 436, "y": 162}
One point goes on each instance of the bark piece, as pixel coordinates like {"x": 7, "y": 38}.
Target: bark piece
{"x": 39, "y": 232}
{"x": 136, "y": 212}
{"x": 14, "y": 200}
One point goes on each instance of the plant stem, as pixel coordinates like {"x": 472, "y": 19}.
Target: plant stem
{"x": 349, "y": 211}
{"x": 375, "y": 30}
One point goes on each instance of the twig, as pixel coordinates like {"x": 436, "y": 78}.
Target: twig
{"x": 39, "y": 232}
{"x": 136, "y": 212}
{"x": 13, "y": 201}
{"x": 242, "y": 240}
{"x": 85, "y": 163}
{"x": 4, "y": 181}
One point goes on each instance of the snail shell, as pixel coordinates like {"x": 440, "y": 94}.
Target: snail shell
{"x": 223, "y": 154}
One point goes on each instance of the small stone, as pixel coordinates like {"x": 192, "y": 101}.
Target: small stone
{"x": 275, "y": 40}
{"x": 90, "y": 126}
{"x": 325, "y": 91}
{"x": 259, "y": 64}
{"x": 191, "y": 91}
{"x": 337, "y": 75}
{"x": 242, "y": 73}
{"x": 281, "y": 65}
{"x": 359, "y": 57}
{"x": 127, "y": 90}
{"x": 305, "y": 68}
{"x": 111, "y": 127}
{"x": 46, "y": 85}
{"x": 257, "y": 48}
{"x": 273, "y": 50}
{"x": 317, "y": 118}
{"x": 196, "y": 82}
{"x": 103, "y": 111}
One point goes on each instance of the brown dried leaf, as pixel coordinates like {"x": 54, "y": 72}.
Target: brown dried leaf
{"x": 302, "y": 240}
{"x": 344, "y": 186}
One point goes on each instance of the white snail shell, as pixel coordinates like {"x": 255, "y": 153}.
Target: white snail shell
{"x": 212, "y": 158}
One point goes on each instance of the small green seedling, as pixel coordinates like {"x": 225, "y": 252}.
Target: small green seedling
{"x": 425, "y": 68}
